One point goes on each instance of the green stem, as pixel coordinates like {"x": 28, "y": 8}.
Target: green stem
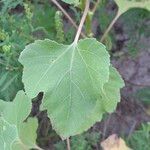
{"x": 88, "y": 24}
{"x": 82, "y": 21}
{"x": 68, "y": 144}
{"x": 67, "y": 15}
{"x": 110, "y": 26}
{"x": 95, "y": 6}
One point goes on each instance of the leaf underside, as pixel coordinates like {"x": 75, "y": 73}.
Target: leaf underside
{"x": 74, "y": 80}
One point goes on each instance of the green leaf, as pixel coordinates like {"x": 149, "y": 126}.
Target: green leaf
{"x": 74, "y": 2}
{"x": 110, "y": 96}
{"x": 9, "y": 4}
{"x": 40, "y": 20}
{"x": 10, "y": 84}
{"x": 19, "y": 109}
{"x": 22, "y": 138}
{"x": 125, "y": 5}
{"x": 111, "y": 90}
{"x": 76, "y": 79}
{"x": 15, "y": 134}
{"x": 71, "y": 77}
{"x": 139, "y": 139}
{"x": 29, "y": 127}
{"x": 8, "y": 134}
{"x": 143, "y": 95}
{"x": 47, "y": 62}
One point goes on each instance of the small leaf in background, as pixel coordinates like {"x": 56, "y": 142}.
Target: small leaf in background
{"x": 113, "y": 142}
{"x": 125, "y": 5}
{"x": 39, "y": 20}
{"x": 10, "y": 83}
{"x": 111, "y": 90}
{"x": 140, "y": 139}
{"x": 8, "y": 4}
{"x": 143, "y": 95}
{"x": 14, "y": 132}
{"x": 74, "y": 2}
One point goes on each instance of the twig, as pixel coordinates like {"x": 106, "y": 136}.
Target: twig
{"x": 67, "y": 15}
{"x": 106, "y": 125}
{"x": 95, "y": 6}
{"x": 110, "y": 26}
{"x": 68, "y": 144}
{"x": 38, "y": 148}
{"x": 82, "y": 21}
{"x": 136, "y": 84}
{"x": 132, "y": 129}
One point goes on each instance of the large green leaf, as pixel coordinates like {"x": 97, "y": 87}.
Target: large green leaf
{"x": 14, "y": 132}
{"x": 71, "y": 76}
{"x": 48, "y": 64}
{"x": 125, "y": 5}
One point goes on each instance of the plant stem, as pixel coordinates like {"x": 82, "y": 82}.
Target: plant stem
{"x": 82, "y": 21}
{"x": 88, "y": 24}
{"x": 95, "y": 6}
{"x": 68, "y": 144}
{"x": 38, "y": 148}
{"x": 110, "y": 26}
{"x": 67, "y": 15}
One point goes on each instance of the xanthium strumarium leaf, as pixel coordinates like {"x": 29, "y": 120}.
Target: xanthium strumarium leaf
{"x": 74, "y": 79}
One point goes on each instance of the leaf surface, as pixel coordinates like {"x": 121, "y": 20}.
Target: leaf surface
{"x": 19, "y": 109}
{"x": 48, "y": 64}
{"x": 71, "y": 77}
{"x": 15, "y": 134}
{"x": 111, "y": 90}
{"x": 8, "y": 134}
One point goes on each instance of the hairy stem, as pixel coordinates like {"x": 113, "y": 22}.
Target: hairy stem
{"x": 68, "y": 144}
{"x": 82, "y": 21}
{"x": 110, "y": 26}
{"x": 67, "y": 15}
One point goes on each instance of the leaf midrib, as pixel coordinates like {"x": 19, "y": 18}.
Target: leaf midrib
{"x": 52, "y": 65}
